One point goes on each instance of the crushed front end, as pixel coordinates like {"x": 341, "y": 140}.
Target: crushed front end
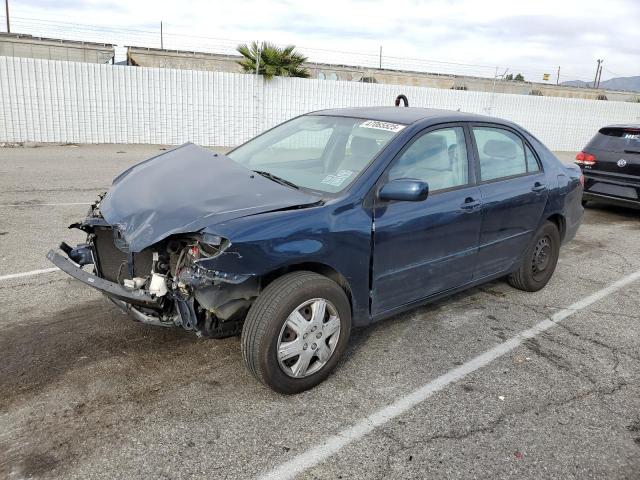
{"x": 164, "y": 284}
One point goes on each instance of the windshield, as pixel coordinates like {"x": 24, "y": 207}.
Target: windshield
{"x": 317, "y": 152}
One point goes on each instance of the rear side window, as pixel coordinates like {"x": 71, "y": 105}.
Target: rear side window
{"x": 532, "y": 163}
{"x": 616, "y": 139}
{"x": 501, "y": 153}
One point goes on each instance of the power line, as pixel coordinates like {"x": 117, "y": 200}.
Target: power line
{"x": 130, "y": 36}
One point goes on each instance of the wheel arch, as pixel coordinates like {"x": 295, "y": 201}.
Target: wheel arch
{"x": 316, "y": 267}
{"x": 560, "y": 222}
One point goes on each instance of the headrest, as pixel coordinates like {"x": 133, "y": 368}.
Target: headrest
{"x": 428, "y": 146}
{"x": 500, "y": 149}
{"x": 433, "y": 143}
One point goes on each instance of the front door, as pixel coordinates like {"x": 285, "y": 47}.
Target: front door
{"x": 422, "y": 248}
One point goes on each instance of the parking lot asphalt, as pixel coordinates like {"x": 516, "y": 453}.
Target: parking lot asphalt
{"x": 87, "y": 393}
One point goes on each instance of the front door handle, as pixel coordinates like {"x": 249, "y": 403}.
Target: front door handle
{"x": 470, "y": 204}
{"x": 538, "y": 187}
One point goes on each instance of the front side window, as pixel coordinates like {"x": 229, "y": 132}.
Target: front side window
{"x": 438, "y": 157}
{"x": 317, "y": 152}
{"x": 501, "y": 153}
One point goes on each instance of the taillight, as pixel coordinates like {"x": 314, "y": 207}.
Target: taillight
{"x": 584, "y": 158}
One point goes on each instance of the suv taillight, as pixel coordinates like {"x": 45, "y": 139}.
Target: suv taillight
{"x": 584, "y": 158}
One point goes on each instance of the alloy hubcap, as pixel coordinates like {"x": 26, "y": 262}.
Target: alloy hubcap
{"x": 541, "y": 255}
{"x": 308, "y": 338}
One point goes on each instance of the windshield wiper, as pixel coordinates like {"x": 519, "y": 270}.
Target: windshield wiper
{"x": 277, "y": 179}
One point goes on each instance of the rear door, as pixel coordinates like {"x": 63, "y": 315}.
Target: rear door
{"x": 514, "y": 193}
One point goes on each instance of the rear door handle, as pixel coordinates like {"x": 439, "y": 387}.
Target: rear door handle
{"x": 538, "y": 187}
{"x": 470, "y": 204}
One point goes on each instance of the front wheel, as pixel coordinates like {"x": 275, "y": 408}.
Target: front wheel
{"x": 296, "y": 331}
{"x": 539, "y": 260}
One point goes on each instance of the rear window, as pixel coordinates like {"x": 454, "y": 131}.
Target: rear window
{"x": 616, "y": 139}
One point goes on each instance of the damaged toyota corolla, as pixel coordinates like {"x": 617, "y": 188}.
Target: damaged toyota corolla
{"x": 334, "y": 219}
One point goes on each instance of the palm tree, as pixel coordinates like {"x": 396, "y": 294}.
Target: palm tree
{"x": 272, "y": 60}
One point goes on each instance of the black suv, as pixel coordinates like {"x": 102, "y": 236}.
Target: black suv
{"x": 611, "y": 166}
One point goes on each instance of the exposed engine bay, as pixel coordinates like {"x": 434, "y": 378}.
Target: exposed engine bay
{"x": 172, "y": 273}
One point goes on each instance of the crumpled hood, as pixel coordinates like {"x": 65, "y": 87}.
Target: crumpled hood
{"x": 186, "y": 189}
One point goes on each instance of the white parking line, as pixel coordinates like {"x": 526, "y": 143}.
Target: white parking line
{"x": 334, "y": 444}
{"x": 28, "y": 274}
{"x": 42, "y": 204}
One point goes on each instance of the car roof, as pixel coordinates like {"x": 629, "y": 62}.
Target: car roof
{"x": 407, "y": 115}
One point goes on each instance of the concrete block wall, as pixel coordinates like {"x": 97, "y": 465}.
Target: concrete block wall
{"x": 17, "y": 45}
{"x": 56, "y": 101}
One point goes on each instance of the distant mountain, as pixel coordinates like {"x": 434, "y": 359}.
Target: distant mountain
{"x": 576, "y": 83}
{"x": 623, "y": 83}
{"x": 631, "y": 84}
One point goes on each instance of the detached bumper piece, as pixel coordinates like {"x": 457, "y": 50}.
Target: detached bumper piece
{"x": 111, "y": 289}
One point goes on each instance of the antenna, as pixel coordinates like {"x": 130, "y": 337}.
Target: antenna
{"x": 402, "y": 97}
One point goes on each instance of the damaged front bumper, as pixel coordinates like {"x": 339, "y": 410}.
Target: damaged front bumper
{"x": 209, "y": 302}
{"x": 132, "y": 302}
{"x": 165, "y": 284}
{"x": 111, "y": 289}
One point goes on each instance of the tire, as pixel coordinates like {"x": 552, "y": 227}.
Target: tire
{"x": 539, "y": 261}
{"x": 268, "y": 329}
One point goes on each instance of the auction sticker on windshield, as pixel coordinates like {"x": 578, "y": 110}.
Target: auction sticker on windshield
{"x": 338, "y": 178}
{"x": 391, "y": 127}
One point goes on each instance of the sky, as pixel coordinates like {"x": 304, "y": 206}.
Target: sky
{"x": 533, "y": 37}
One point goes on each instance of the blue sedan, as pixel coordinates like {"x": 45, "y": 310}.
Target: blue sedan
{"x": 332, "y": 220}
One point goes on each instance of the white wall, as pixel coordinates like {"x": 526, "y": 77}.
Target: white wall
{"x": 54, "y": 101}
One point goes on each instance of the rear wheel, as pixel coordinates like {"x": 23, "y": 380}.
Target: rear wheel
{"x": 539, "y": 261}
{"x": 296, "y": 331}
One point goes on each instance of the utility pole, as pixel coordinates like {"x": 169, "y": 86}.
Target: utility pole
{"x": 380, "y": 64}
{"x": 161, "y": 37}
{"x": 493, "y": 90}
{"x": 558, "y": 77}
{"x": 257, "y": 104}
{"x": 595, "y": 80}
{"x": 6, "y": 9}
{"x": 600, "y": 74}
{"x": 258, "y": 59}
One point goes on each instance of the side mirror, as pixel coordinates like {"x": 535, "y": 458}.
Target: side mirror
{"x": 404, "y": 189}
